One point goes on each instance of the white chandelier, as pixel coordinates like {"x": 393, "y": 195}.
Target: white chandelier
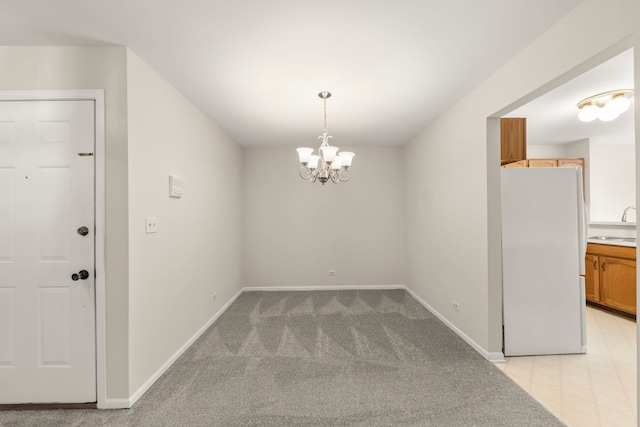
{"x": 332, "y": 165}
{"x": 605, "y": 106}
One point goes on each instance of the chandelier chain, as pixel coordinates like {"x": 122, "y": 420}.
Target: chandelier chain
{"x": 325, "y": 113}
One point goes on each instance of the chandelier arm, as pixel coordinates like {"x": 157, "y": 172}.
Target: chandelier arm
{"x": 305, "y": 172}
{"x": 324, "y": 166}
{"x": 325, "y": 139}
{"x": 344, "y": 175}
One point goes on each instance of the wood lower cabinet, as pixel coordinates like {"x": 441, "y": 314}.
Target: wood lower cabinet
{"x": 592, "y": 277}
{"x": 610, "y": 277}
{"x": 619, "y": 284}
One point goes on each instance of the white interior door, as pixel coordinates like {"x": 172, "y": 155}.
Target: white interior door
{"x": 47, "y": 319}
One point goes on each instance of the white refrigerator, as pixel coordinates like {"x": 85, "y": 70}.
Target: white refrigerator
{"x": 543, "y": 251}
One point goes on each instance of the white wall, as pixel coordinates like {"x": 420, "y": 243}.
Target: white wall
{"x": 161, "y": 282}
{"x": 295, "y": 231}
{"x": 546, "y": 151}
{"x": 453, "y": 216}
{"x": 57, "y": 68}
{"x": 613, "y": 175}
{"x": 196, "y": 252}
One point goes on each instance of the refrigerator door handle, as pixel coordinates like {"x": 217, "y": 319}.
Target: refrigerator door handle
{"x": 582, "y": 221}
{"x": 583, "y": 314}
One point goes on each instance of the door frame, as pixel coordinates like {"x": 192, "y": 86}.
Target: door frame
{"x": 96, "y": 95}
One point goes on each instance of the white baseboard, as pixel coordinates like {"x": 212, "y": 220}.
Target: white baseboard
{"x": 496, "y": 357}
{"x": 116, "y": 404}
{"x": 490, "y": 356}
{"x": 319, "y": 288}
{"x": 147, "y": 385}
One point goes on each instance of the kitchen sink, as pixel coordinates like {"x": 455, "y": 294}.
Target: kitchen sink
{"x": 613, "y": 239}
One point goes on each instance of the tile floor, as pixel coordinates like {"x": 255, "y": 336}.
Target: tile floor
{"x": 588, "y": 390}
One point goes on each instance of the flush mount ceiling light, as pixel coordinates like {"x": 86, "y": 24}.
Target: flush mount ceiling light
{"x": 605, "y": 106}
{"x": 329, "y": 164}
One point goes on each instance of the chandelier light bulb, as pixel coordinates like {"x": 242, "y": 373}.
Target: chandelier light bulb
{"x": 607, "y": 113}
{"x": 304, "y": 154}
{"x": 329, "y": 164}
{"x": 313, "y": 163}
{"x": 589, "y": 113}
{"x": 605, "y": 106}
{"x": 619, "y": 104}
{"x": 337, "y": 164}
{"x": 346, "y": 158}
{"x": 329, "y": 153}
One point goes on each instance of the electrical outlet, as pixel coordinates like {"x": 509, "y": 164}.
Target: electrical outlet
{"x": 150, "y": 225}
{"x": 456, "y": 306}
{"x": 332, "y": 272}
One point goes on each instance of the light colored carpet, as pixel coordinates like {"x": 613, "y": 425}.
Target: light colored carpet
{"x": 321, "y": 358}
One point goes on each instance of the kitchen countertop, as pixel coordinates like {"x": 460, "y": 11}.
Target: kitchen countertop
{"x": 611, "y": 242}
{"x": 612, "y": 224}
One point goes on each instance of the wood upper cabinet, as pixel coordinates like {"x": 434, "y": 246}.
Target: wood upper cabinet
{"x": 513, "y": 139}
{"x": 619, "y": 283}
{"x": 571, "y": 162}
{"x": 546, "y": 163}
{"x": 592, "y": 278}
{"x": 543, "y": 163}
{"x": 552, "y": 163}
{"x": 518, "y": 164}
{"x": 610, "y": 276}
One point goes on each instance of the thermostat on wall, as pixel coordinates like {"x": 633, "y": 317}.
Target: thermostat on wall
{"x": 175, "y": 186}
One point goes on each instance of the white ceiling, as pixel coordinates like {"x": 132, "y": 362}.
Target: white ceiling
{"x": 256, "y": 67}
{"x": 553, "y": 117}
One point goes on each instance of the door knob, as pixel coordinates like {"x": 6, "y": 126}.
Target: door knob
{"x": 83, "y": 231}
{"x": 82, "y": 275}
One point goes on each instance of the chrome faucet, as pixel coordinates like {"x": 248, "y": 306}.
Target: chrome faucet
{"x": 624, "y": 214}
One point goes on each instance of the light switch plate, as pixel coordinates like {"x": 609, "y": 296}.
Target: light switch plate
{"x": 150, "y": 224}
{"x": 175, "y": 186}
